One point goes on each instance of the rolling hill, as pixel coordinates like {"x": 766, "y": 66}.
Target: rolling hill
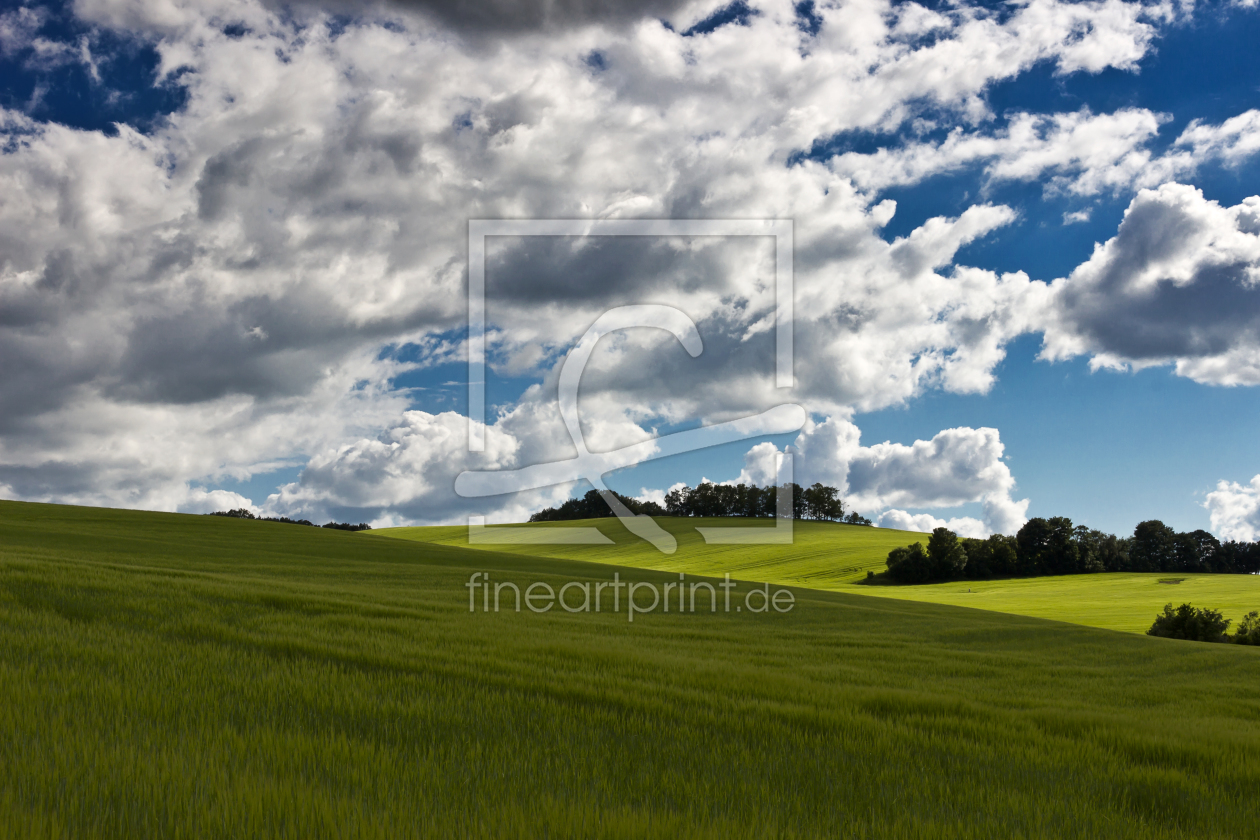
{"x": 168, "y": 675}
{"x": 836, "y": 558}
{"x": 822, "y": 554}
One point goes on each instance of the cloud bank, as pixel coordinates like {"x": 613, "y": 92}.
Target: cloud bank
{"x": 956, "y": 467}
{"x": 238, "y": 288}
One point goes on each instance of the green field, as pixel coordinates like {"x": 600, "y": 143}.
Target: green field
{"x": 1126, "y": 602}
{"x": 823, "y": 555}
{"x": 836, "y": 558}
{"x": 165, "y": 676}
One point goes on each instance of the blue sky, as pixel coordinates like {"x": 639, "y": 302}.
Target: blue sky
{"x": 234, "y": 252}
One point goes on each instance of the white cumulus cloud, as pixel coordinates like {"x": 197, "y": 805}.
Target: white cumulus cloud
{"x": 956, "y": 467}
{"x": 1078, "y": 153}
{"x": 964, "y": 526}
{"x": 1235, "y": 510}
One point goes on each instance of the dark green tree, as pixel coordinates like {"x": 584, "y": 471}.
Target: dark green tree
{"x": 909, "y": 564}
{"x": 798, "y": 499}
{"x": 1193, "y": 551}
{"x": 994, "y": 557}
{"x": 1003, "y": 558}
{"x": 1248, "y": 629}
{"x": 1239, "y": 558}
{"x": 593, "y": 506}
{"x": 1047, "y": 547}
{"x": 1191, "y": 623}
{"x": 1030, "y": 542}
{"x": 1098, "y": 552}
{"x": 947, "y": 556}
{"x": 1154, "y": 547}
{"x": 822, "y": 503}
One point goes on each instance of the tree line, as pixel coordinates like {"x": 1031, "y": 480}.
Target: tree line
{"x": 593, "y": 506}
{"x": 242, "y": 513}
{"x": 817, "y": 502}
{"x": 1055, "y": 547}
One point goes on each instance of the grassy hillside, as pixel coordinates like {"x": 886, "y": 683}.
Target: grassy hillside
{"x": 837, "y": 557}
{"x": 1126, "y": 602}
{"x": 821, "y": 556}
{"x": 165, "y": 675}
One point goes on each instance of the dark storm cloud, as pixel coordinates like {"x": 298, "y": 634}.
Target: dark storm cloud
{"x": 519, "y": 16}
{"x": 259, "y": 346}
{"x": 543, "y": 269}
{"x": 1178, "y": 281}
{"x": 1213, "y": 314}
{"x": 671, "y": 372}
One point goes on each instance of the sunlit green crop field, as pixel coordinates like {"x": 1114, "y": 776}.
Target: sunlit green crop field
{"x": 822, "y": 555}
{"x": 188, "y": 676}
{"x": 1127, "y": 602}
{"x": 837, "y": 557}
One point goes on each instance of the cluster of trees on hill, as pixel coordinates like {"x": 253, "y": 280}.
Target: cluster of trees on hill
{"x": 818, "y": 502}
{"x": 593, "y": 506}
{"x": 1054, "y": 547}
{"x": 1204, "y": 625}
{"x": 242, "y": 513}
